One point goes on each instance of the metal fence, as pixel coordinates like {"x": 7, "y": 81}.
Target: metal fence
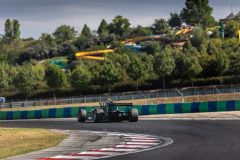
{"x": 180, "y": 93}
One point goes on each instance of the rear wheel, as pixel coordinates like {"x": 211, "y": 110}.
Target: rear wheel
{"x": 82, "y": 115}
{"x": 98, "y": 115}
{"x": 133, "y": 115}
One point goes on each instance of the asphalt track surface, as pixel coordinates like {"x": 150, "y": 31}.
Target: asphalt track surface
{"x": 193, "y": 140}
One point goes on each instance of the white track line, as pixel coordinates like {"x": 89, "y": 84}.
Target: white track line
{"x": 71, "y": 157}
{"x": 144, "y": 140}
{"x": 141, "y": 143}
{"x": 132, "y": 146}
{"x": 118, "y": 149}
{"x": 99, "y": 153}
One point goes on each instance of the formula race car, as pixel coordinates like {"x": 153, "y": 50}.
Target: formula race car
{"x": 109, "y": 111}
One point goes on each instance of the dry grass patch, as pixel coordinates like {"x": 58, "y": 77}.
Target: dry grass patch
{"x": 20, "y": 141}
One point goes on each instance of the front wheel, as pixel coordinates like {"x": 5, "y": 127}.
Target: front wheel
{"x": 82, "y": 115}
{"x": 133, "y": 115}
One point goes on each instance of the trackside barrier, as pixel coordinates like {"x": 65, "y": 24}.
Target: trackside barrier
{"x": 176, "y": 108}
{"x": 215, "y": 93}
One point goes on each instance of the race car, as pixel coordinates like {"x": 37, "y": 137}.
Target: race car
{"x": 109, "y": 111}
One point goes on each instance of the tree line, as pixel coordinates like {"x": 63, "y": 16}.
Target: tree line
{"x": 201, "y": 58}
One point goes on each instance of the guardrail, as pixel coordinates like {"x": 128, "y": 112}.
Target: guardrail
{"x": 176, "y": 108}
{"x": 127, "y": 96}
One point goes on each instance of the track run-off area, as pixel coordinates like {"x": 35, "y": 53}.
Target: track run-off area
{"x": 192, "y": 139}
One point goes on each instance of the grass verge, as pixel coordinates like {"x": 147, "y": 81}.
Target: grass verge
{"x": 14, "y": 141}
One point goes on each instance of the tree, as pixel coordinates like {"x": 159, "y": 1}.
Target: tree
{"x": 38, "y": 51}
{"x": 232, "y": 27}
{"x": 12, "y": 30}
{"x": 189, "y": 49}
{"x": 67, "y": 49}
{"x": 212, "y": 49}
{"x": 39, "y": 75}
{"x": 234, "y": 67}
{"x": 197, "y": 12}
{"x": 108, "y": 74}
{"x": 64, "y": 33}
{"x": 82, "y": 43}
{"x": 204, "y": 61}
{"x": 81, "y": 78}
{"x": 175, "y": 20}
{"x": 55, "y": 77}
{"x": 24, "y": 80}
{"x": 229, "y": 45}
{"x": 178, "y": 71}
{"x": 199, "y": 38}
{"x": 47, "y": 39}
{"x": 103, "y": 28}
{"x": 136, "y": 70}
{"x": 164, "y": 64}
{"x": 120, "y": 26}
{"x": 215, "y": 64}
{"x": 148, "y": 66}
{"x": 152, "y": 48}
{"x": 220, "y": 63}
{"x": 4, "y": 77}
{"x": 160, "y": 26}
{"x": 121, "y": 58}
{"x": 191, "y": 66}
{"x": 16, "y": 29}
{"x": 29, "y": 78}
{"x": 4, "y": 56}
{"x": 141, "y": 31}
{"x": 8, "y": 31}
{"x": 86, "y": 31}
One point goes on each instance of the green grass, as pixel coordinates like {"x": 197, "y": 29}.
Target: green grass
{"x": 20, "y": 141}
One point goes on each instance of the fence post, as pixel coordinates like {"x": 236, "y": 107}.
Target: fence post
{"x": 234, "y": 95}
{"x": 182, "y": 96}
{"x": 217, "y": 91}
{"x": 198, "y": 97}
{"x": 54, "y": 101}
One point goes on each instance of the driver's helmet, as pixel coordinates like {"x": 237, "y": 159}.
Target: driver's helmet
{"x": 109, "y": 101}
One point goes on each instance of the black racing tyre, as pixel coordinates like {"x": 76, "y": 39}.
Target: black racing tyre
{"x": 82, "y": 115}
{"x": 133, "y": 115}
{"x": 98, "y": 115}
